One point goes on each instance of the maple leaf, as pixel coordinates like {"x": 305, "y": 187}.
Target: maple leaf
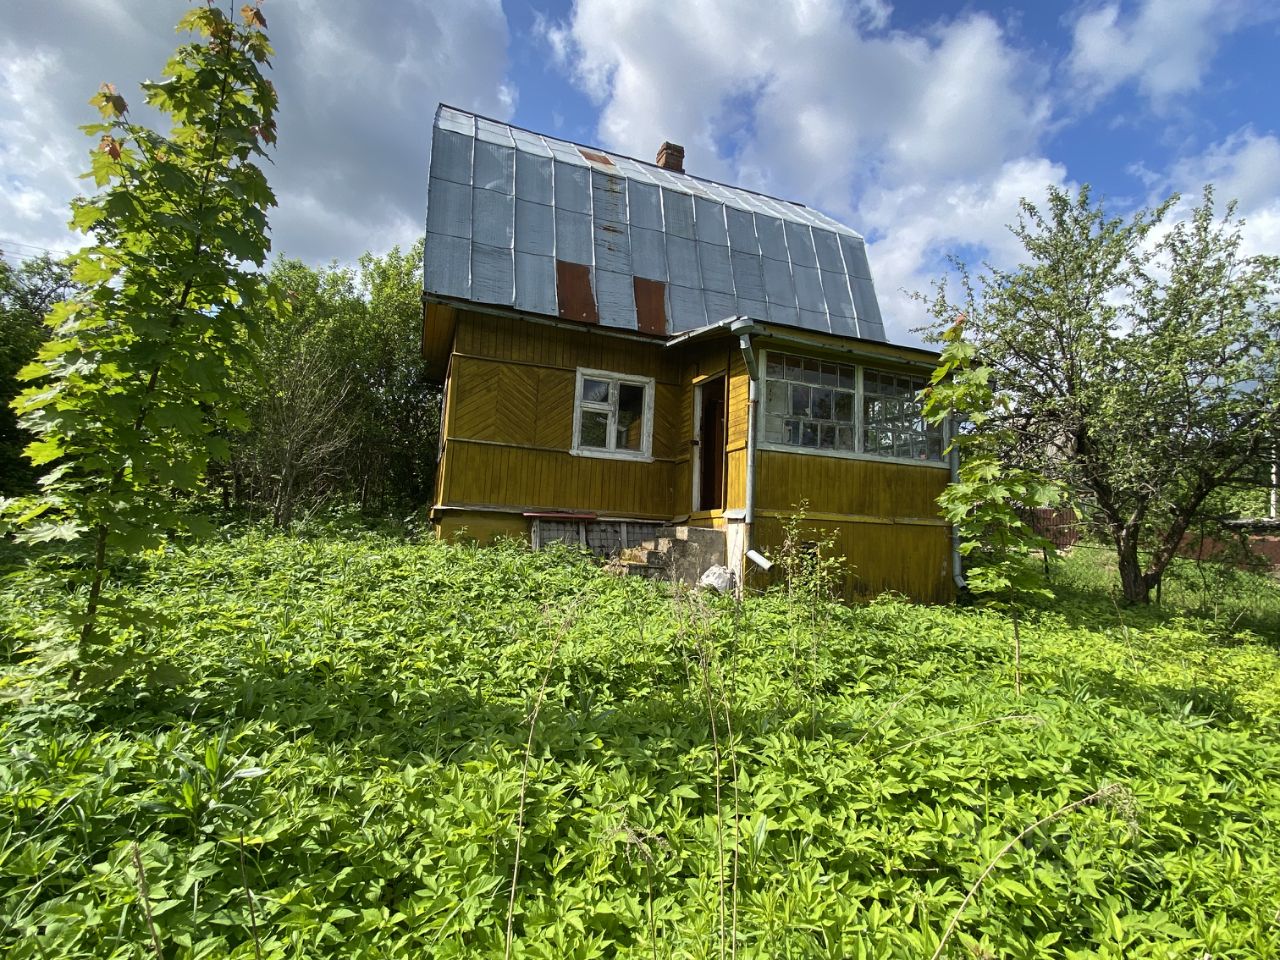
{"x": 110, "y": 146}
{"x": 253, "y": 16}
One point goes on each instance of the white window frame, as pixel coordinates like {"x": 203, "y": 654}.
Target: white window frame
{"x": 857, "y": 453}
{"x": 645, "y": 453}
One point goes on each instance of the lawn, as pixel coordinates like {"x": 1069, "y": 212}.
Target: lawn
{"x": 349, "y": 744}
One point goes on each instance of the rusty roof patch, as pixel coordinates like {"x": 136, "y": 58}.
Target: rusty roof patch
{"x": 651, "y": 309}
{"x": 573, "y": 290}
{"x": 595, "y": 157}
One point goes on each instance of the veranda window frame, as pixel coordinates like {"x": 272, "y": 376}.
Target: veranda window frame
{"x": 610, "y": 408}
{"x": 859, "y": 424}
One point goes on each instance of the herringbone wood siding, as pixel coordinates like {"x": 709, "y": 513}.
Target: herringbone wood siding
{"x": 510, "y": 429}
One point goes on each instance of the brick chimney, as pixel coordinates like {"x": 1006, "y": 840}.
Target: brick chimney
{"x": 671, "y": 157}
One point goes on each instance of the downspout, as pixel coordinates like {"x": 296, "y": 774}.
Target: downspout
{"x": 745, "y": 329}
{"x": 957, "y": 568}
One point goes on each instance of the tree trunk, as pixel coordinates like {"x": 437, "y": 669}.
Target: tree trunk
{"x": 1133, "y": 582}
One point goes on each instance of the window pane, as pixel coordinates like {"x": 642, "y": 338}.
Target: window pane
{"x": 799, "y": 400}
{"x": 795, "y": 368}
{"x": 793, "y": 432}
{"x": 830, "y": 378}
{"x": 630, "y": 416}
{"x": 775, "y": 397}
{"x": 812, "y": 371}
{"x": 828, "y": 436}
{"x": 935, "y": 447}
{"x": 844, "y": 438}
{"x": 595, "y": 429}
{"x": 773, "y": 429}
{"x": 844, "y": 407}
{"x": 821, "y": 403}
{"x": 809, "y": 434}
{"x": 846, "y": 377}
{"x": 774, "y": 368}
{"x": 595, "y": 391}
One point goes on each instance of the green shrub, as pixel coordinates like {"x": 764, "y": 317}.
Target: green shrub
{"x": 330, "y": 764}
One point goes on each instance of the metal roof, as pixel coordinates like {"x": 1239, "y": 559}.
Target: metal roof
{"x": 545, "y": 226}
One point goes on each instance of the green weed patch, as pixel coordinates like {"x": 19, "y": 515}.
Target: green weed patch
{"x": 335, "y": 747}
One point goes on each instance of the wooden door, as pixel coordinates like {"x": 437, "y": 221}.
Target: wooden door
{"x": 709, "y": 489}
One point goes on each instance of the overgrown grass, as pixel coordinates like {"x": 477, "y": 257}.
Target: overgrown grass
{"x": 335, "y": 747}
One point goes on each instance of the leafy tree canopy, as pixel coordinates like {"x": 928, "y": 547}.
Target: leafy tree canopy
{"x": 1139, "y": 362}
{"x": 130, "y": 398}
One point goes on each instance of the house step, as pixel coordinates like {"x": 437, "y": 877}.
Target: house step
{"x": 681, "y": 553}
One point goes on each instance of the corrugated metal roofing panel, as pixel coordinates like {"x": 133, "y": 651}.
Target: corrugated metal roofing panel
{"x": 682, "y": 262}
{"x": 492, "y": 274}
{"x": 572, "y": 186}
{"x": 755, "y": 309}
{"x": 808, "y": 288}
{"x": 573, "y": 236}
{"x": 449, "y": 208}
{"x": 613, "y": 247}
{"x": 828, "y": 251}
{"x": 855, "y": 256}
{"x": 720, "y": 306}
{"x": 491, "y": 131}
{"x": 608, "y": 196}
{"x": 742, "y": 230}
{"x": 644, "y": 205}
{"x": 800, "y": 245}
{"x": 493, "y": 218}
{"x": 535, "y": 283}
{"x": 447, "y": 266}
{"x": 533, "y": 176}
{"x": 495, "y": 166}
{"x": 530, "y": 142}
{"x": 835, "y": 290}
{"x": 713, "y": 260}
{"x": 813, "y": 320}
{"x": 773, "y": 239}
{"x": 615, "y": 299}
{"x": 686, "y": 308}
{"x": 449, "y": 118}
{"x": 505, "y": 205}
{"x": 784, "y": 315}
{"x": 451, "y": 156}
{"x": 748, "y": 280}
{"x": 535, "y": 228}
{"x": 708, "y": 221}
{"x": 870, "y": 324}
{"x": 648, "y": 253}
{"x": 677, "y": 212}
{"x": 779, "y": 287}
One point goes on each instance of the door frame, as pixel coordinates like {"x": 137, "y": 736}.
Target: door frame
{"x": 699, "y": 392}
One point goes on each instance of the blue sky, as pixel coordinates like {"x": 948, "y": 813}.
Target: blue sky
{"x": 919, "y": 124}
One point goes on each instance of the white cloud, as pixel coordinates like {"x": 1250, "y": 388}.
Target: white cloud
{"x": 921, "y": 141}
{"x": 1165, "y": 46}
{"x": 1244, "y": 167}
{"x": 357, "y": 93}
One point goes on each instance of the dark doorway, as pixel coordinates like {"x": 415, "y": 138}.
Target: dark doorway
{"x": 710, "y": 485}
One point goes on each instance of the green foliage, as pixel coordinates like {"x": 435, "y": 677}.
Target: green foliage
{"x": 989, "y": 500}
{"x": 27, "y": 292}
{"x": 1141, "y": 368}
{"x": 332, "y": 767}
{"x": 338, "y": 403}
{"x": 131, "y": 397}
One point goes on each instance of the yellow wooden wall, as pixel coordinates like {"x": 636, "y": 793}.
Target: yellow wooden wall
{"x": 509, "y": 423}
{"x": 509, "y": 426}
{"x": 883, "y": 517}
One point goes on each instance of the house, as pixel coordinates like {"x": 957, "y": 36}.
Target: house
{"x": 625, "y": 347}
